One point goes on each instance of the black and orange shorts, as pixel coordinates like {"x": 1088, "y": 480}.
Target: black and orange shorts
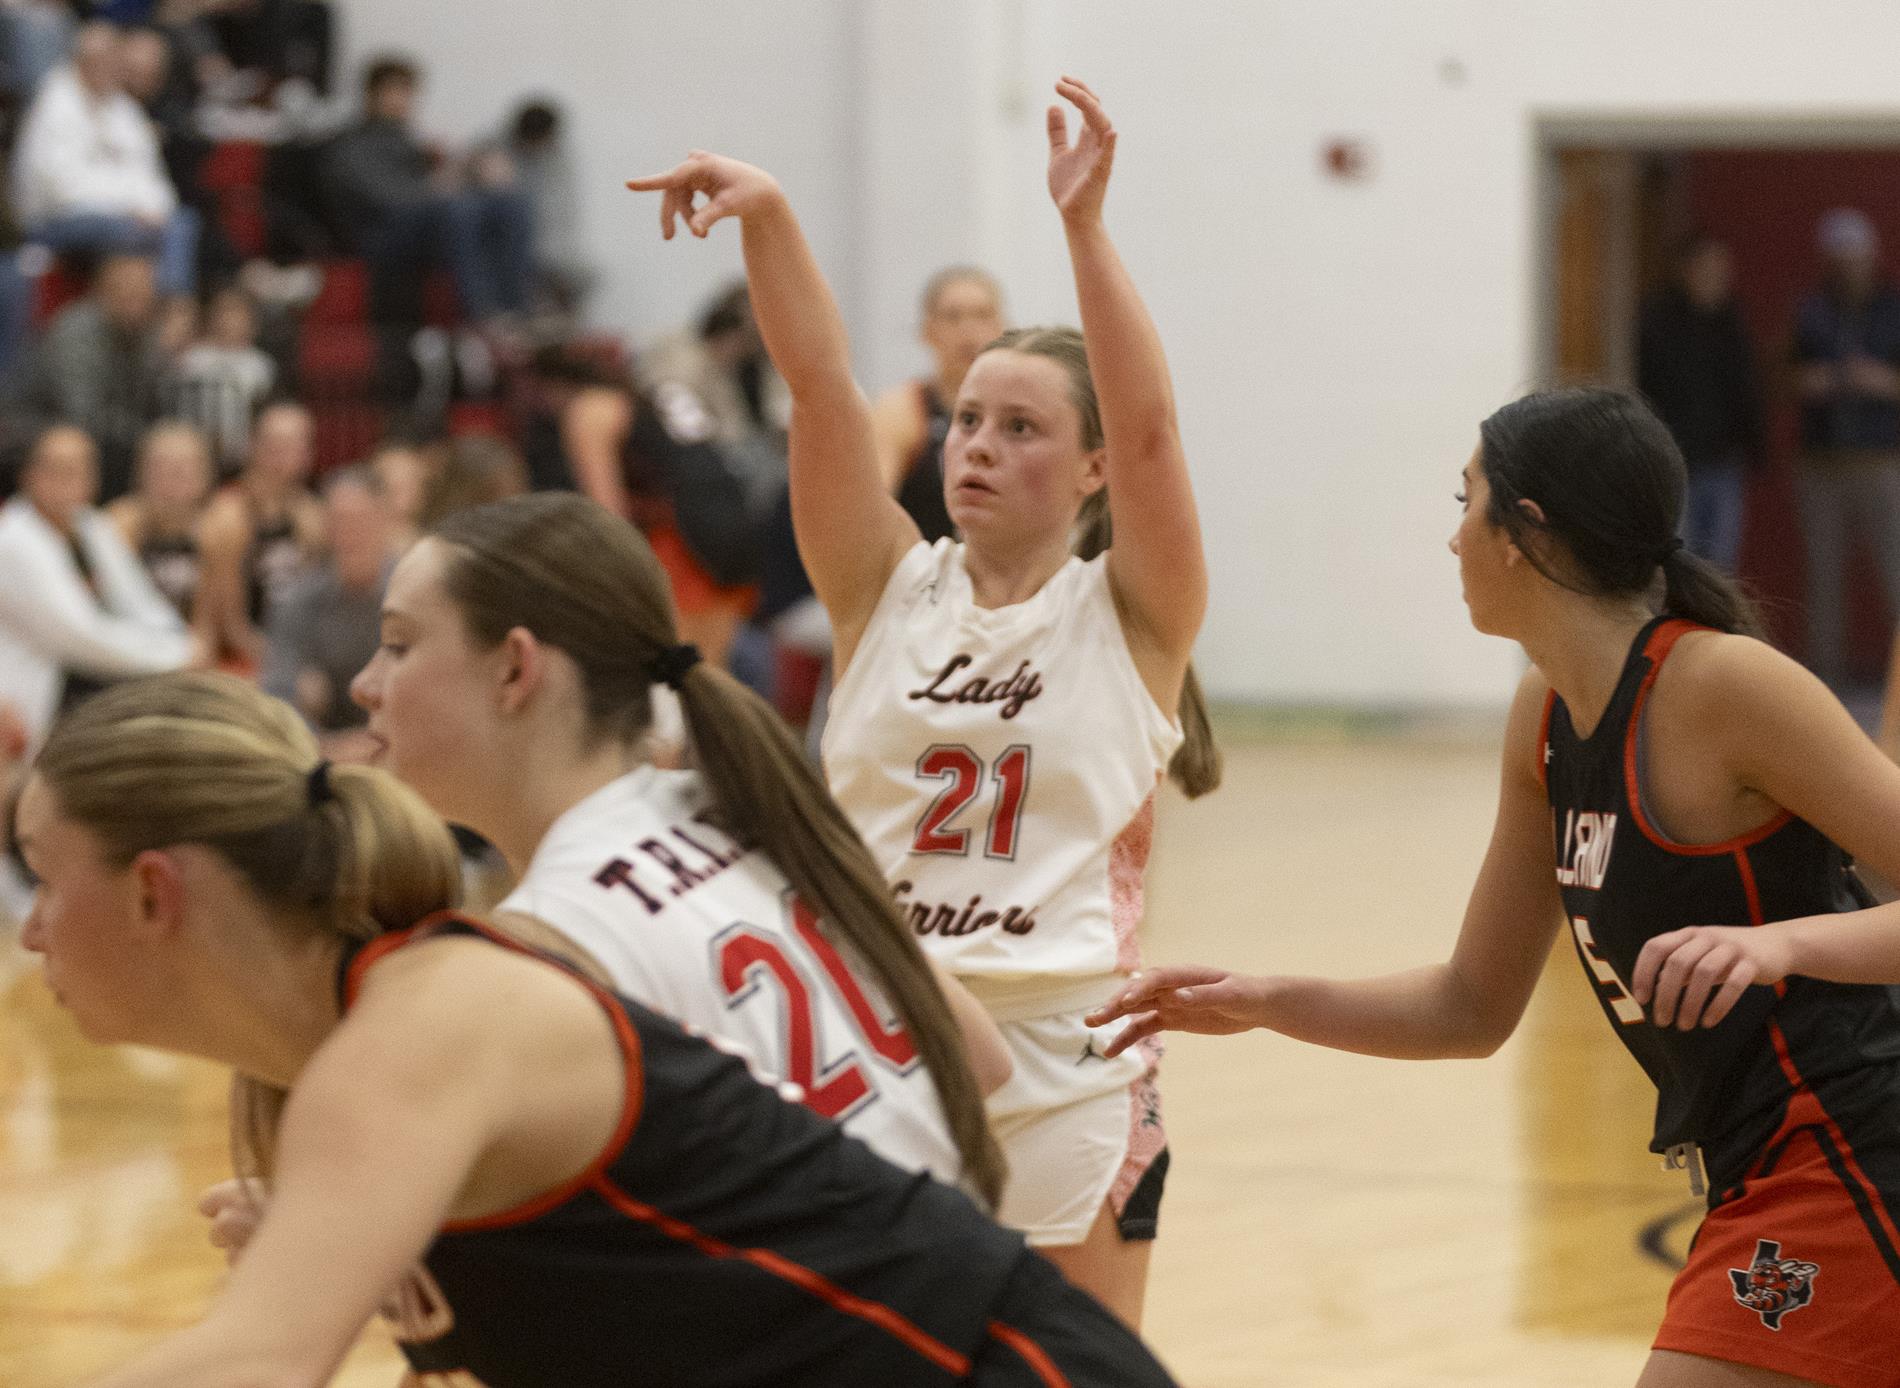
{"x": 1799, "y": 1272}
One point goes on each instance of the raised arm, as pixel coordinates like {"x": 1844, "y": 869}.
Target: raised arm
{"x": 851, "y": 531}
{"x": 1155, "y": 565}
{"x": 1466, "y": 1006}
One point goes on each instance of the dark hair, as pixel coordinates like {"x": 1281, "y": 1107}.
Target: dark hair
{"x": 389, "y": 68}
{"x": 730, "y": 310}
{"x": 536, "y": 121}
{"x": 586, "y": 583}
{"x": 1609, "y": 480}
{"x": 1196, "y": 767}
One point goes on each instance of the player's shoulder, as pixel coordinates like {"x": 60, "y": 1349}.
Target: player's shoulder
{"x": 1735, "y": 685}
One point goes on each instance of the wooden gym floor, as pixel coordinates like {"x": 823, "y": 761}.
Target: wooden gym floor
{"x": 1331, "y": 1220}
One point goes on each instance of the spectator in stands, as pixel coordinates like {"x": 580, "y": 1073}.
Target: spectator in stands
{"x": 220, "y": 380}
{"x": 1847, "y": 371}
{"x": 328, "y": 624}
{"x": 35, "y": 37}
{"x": 277, "y": 40}
{"x": 538, "y": 153}
{"x": 87, "y": 175}
{"x": 1697, "y": 366}
{"x": 16, "y": 304}
{"x": 76, "y": 610}
{"x": 161, "y": 516}
{"x": 259, "y": 534}
{"x": 407, "y": 220}
{"x": 101, "y": 365}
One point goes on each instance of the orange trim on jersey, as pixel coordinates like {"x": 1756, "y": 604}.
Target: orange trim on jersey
{"x": 624, "y": 1034}
{"x": 1656, "y": 650}
{"x": 1543, "y": 740}
{"x": 1032, "y": 1354}
{"x": 885, "y": 1318}
{"x": 369, "y": 955}
{"x": 1804, "y": 1097}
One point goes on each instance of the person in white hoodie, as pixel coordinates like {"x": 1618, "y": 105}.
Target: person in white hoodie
{"x": 76, "y": 607}
{"x": 87, "y": 173}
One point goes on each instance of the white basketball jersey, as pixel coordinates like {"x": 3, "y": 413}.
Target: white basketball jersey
{"x": 1001, "y": 763}
{"x": 707, "y": 932}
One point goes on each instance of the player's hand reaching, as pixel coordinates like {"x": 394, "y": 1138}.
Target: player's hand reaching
{"x": 234, "y": 1216}
{"x": 1182, "y": 997}
{"x": 728, "y": 187}
{"x": 1695, "y": 976}
{"x": 1078, "y": 173}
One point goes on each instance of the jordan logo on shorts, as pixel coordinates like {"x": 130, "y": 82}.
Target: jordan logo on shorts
{"x": 1773, "y": 1285}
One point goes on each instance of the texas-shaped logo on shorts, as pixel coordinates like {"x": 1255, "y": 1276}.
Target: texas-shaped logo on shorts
{"x": 1773, "y": 1285}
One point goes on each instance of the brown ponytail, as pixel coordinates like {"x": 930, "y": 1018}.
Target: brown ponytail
{"x": 585, "y": 582}
{"x": 1196, "y": 767}
{"x": 208, "y": 759}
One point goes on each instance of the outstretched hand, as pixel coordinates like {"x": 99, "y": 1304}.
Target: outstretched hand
{"x": 1181, "y": 997}
{"x": 234, "y": 1214}
{"x": 1698, "y": 974}
{"x": 730, "y": 189}
{"x": 1078, "y": 173}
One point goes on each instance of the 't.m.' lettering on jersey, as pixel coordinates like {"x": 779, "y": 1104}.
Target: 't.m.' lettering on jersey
{"x": 656, "y": 870}
{"x": 1585, "y": 856}
{"x": 1012, "y": 692}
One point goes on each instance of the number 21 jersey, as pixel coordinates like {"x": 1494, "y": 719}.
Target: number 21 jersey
{"x": 1001, "y": 764}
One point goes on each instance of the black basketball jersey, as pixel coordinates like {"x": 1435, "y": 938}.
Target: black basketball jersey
{"x": 1624, "y": 882}
{"x": 920, "y": 490}
{"x": 727, "y": 1237}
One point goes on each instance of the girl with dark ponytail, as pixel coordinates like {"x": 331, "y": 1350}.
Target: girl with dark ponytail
{"x": 1684, "y": 799}
{"x": 1006, "y": 706}
{"x": 538, "y": 1181}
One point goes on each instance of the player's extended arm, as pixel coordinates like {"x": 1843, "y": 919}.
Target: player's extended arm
{"x": 1155, "y": 564}
{"x": 382, "y": 1128}
{"x": 851, "y": 531}
{"x": 1784, "y": 735}
{"x": 1466, "y": 1006}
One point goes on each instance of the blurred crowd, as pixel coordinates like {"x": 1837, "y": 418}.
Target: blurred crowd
{"x": 257, "y": 335}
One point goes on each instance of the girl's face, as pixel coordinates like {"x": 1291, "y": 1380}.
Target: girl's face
{"x": 175, "y": 471}
{"x": 1486, "y": 554}
{"x": 84, "y": 920}
{"x": 432, "y": 693}
{"x": 962, "y": 319}
{"x": 1014, "y": 469}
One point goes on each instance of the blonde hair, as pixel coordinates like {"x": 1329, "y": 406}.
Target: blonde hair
{"x": 1196, "y": 767}
{"x": 585, "y": 582}
{"x": 207, "y": 759}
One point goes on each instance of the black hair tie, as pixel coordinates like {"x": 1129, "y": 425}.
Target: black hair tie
{"x": 669, "y": 667}
{"x": 317, "y": 785}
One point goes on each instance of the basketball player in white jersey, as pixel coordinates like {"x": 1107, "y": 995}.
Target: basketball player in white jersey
{"x": 521, "y": 646}
{"x": 1004, "y": 710}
